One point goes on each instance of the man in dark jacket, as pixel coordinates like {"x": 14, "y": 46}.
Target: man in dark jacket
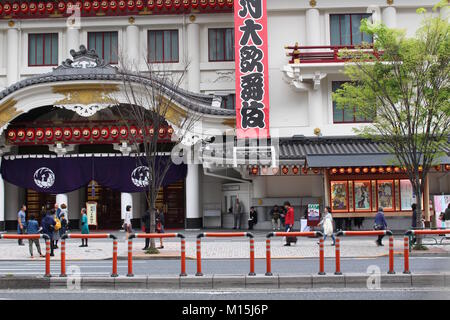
{"x": 253, "y": 218}
{"x": 146, "y": 222}
{"x": 48, "y": 225}
{"x": 380, "y": 224}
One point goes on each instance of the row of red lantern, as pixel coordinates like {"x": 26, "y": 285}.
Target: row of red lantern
{"x": 285, "y": 170}
{"x": 68, "y": 134}
{"x": 105, "y": 5}
{"x": 379, "y": 170}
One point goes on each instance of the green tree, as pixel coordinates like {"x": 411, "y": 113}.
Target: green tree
{"x": 403, "y": 85}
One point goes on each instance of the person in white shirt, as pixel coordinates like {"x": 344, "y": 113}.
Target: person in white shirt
{"x": 128, "y": 216}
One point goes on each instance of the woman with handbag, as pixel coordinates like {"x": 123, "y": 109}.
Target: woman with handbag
{"x": 160, "y": 225}
{"x": 327, "y": 222}
{"x": 380, "y": 224}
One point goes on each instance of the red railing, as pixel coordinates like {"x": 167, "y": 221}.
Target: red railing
{"x": 323, "y": 54}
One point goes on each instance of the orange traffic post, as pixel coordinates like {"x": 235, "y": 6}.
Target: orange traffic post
{"x": 406, "y": 254}
{"x": 130, "y": 256}
{"x": 252, "y": 257}
{"x": 183, "y": 257}
{"x": 285, "y": 234}
{"x": 63, "y": 258}
{"x": 114, "y": 266}
{"x": 34, "y": 236}
{"x": 391, "y": 255}
{"x": 321, "y": 257}
{"x": 268, "y": 259}
{"x": 338, "y": 256}
{"x": 225, "y": 235}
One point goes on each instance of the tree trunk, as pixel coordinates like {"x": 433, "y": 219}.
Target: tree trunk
{"x": 418, "y": 194}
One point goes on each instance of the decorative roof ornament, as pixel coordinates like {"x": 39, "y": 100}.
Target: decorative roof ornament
{"x": 390, "y": 2}
{"x": 84, "y": 59}
{"x": 312, "y": 3}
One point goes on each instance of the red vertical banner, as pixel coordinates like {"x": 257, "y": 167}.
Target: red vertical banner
{"x": 252, "y": 69}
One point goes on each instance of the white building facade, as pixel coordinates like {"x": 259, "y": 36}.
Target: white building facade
{"x": 320, "y": 161}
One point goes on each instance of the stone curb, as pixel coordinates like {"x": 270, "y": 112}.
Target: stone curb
{"x": 209, "y": 282}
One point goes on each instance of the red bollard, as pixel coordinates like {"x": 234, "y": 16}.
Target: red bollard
{"x": 130, "y": 258}
{"x": 321, "y": 257}
{"x": 406, "y": 254}
{"x": 183, "y": 258}
{"x": 391, "y": 255}
{"x": 338, "y": 257}
{"x": 63, "y": 258}
{"x": 47, "y": 258}
{"x": 268, "y": 261}
{"x": 114, "y": 266}
{"x": 252, "y": 257}
{"x": 199, "y": 259}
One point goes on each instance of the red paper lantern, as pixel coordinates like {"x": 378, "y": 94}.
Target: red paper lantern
{"x": 186, "y": 4}
{"x": 388, "y": 169}
{"x": 114, "y": 132}
{"x": 77, "y": 133}
{"x": 365, "y": 170}
{"x": 203, "y": 3}
{"x": 33, "y": 8}
{"x": 341, "y": 170}
{"x": 24, "y": 8}
{"x": 420, "y": 168}
{"x": 12, "y": 135}
{"x": 104, "y": 133}
{"x": 139, "y": 4}
{"x": 7, "y": 8}
{"x": 150, "y": 131}
{"x": 221, "y": 3}
{"x": 212, "y": 3}
{"x": 122, "y": 5}
{"x": 61, "y": 7}
{"x": 104, "y": 5}
{"x": 21, "y": 134}
{"x": 95, "y": 133}
{"x": 50, "y": 7}
{"x": 334, "y": 171}
{"x": 87, "y": 5}
{"x": 194, "y": 4}
{"x": 447, "y": 167}
{"x": 123, "y": 132}
{"x": 160, "y": 4}
{"x": 40, "y": 133}
{"x": 161, "y": 132}
{"x": 86, "y": 133}
{"x": 437, "y": 168}
{"x": 96, "y": 5}
{"x": 373, "y": 170}
{"x": 316, "y": 171}
{"x": 16, "y": 8}
{"x": 255, "y": 170}
{"x": 295, "y": 170}
{"x": 49, "y": 134}
{"x": 67, "y": 132}
{"x": 130, "y": 5}
{"x": 357, "y": 170}
{"x": 381, "y": 170}
{"x": 230, "y": 3}
{"x": 168, "y": 4}
{"x": 59, "y": 134}
{"x": 397, "y": 169}
{"x": 151, "y": 4}
{"x": 349, "y": 170}
{"x": 177, "y": 4}
{"x": 30, "y": 134}
{"x": 113, "y": 5}
{"x": 1, "y": 8}
{"x": 79, "y": 4}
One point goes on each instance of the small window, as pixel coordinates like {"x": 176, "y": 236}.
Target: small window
{"x": 163, "y": 46}
{"x": 105, "y": 44}
{"x": 229, "y": 102}
{"x": 346, "y": 115}
{"x": 345, "y": 29}
{"x": 42, "y": 49}
{"x": 221, "y": 44}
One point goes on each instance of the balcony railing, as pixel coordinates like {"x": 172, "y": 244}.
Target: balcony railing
{"x": 325, "y": 54}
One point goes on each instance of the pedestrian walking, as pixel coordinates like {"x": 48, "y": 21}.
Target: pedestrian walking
{"x": 146, "y": 227}
{"x": 21, "y": 223}
{"x": 48, "y": 226}
{"x": 64, "y": 225}
{"x": 289, "y": 222}
{"x": 33, "y": 228}
{"x": 447, "y": 217}
{"x": 57, "y": 210}
{"x": 253, "y": 218}
{"x": 380, "y": 224}
{"x": 160, "y": 222}
{"x": 237, "y": 212}
{"x": 84, "y": 227}
{"x": 327, "y": 223}
{"x": 127, "y": 221}
{"x": 283, "y": 216}
{"x": 275, "y": 215}
{"x": 56, "y": 235}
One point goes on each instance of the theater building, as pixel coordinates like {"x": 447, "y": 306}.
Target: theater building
{"x": 61, "y": 142}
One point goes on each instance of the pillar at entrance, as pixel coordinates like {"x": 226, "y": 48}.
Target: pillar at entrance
{"x": 193, "y": 208}
{"x": 312, "y": 27}
{"x": 389, "y": 16}
{"x": 72, "y": 40}
{"x": 126, "y": 199}
{"x": 12, "y": 65}
{"x": 63, "y": 198}
{"x": 193, "y": 44}
{"x": 315, "y": 108}
{"x": 133, "y": 47}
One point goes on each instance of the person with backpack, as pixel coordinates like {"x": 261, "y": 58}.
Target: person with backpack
{"x": 56, "y": 229}
{"x": 48, "y": 224}
{"x": 289, "y": 222}
{"x": 276, "y": 219}
{"x": 33, "y": 228}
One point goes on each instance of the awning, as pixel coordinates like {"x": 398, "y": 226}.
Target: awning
{"x": 327, "y": 161}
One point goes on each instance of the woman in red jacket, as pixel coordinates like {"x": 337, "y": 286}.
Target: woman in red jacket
{"x": 289, "y": 219}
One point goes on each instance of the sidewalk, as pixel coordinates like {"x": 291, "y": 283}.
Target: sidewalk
{"x": 214, "y": 248}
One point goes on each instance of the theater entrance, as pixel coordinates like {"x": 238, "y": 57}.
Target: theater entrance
{"x": 108, "y": 206}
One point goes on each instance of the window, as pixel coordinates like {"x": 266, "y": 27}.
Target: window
{"x": 105, "y": 44}
{"x": 221, "y": 44}
{"x": 345, "y": 29}
{"x": 43, "y": 49}
{"x": 229, "y": 102}
{"x": 163, "y": 46}
{"x": 346, "y": 115}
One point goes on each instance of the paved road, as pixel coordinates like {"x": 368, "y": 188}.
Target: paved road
{"x": 229, "y": 266}
{"x": 231, "y": 296}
